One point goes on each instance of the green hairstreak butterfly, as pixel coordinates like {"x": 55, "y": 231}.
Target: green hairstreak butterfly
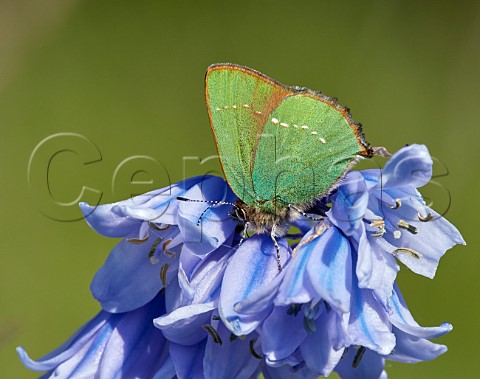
{"x": 280, "y": 147}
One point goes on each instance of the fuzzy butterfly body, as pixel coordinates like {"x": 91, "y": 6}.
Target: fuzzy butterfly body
{"x": 280, "y": 147}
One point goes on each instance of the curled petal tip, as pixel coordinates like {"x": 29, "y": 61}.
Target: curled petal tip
{"x": 21, "y": 353}
{"x": 448, "y": 327}
{"x": 28, "y": 362}
{"x": 85, "y": 208}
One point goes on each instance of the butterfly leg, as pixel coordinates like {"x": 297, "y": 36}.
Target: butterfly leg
{"x": 277, "y": 248}
{"x": 244, "y": 233}
{"x": 320, "y": 218}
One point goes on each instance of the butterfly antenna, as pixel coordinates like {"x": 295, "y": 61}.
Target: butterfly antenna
{"x": 203, "y": 214}
{"x": 277, "y": 248}
{"x": 213, "y": 202}
{"x": 305, "y": 214}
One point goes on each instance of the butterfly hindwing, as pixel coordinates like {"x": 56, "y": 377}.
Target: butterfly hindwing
{"x": 307, "y": 145}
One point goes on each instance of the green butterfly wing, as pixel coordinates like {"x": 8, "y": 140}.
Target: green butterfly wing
{"x": 308, "y": 143}
{"x": 278, "y": 142}
{"x": 239, "y": 102}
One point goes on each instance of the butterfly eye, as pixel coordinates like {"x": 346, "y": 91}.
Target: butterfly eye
{"x": 238, "y": 214}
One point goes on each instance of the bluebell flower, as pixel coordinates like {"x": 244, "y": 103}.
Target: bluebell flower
{"x": 387, "y": 219}
{"x": 328, "y": 330}
{"x": 211, "y": 295}
{"x": 122, "y": 345}
{"x": 154, "y": 228}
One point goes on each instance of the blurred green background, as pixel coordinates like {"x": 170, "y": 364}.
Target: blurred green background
{"x": 128, "y": 77}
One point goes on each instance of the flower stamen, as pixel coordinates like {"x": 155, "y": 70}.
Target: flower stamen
{"x": 151, "y": 253}
{"x": 426, "y": 218}
{"x": 213, "y": 333}
{"x": 398, "y": 204}
{"x": 358, "y": 357}
{"x": 167, "y": 252}
{"x": 309, "y": 325}
{"x": 137, "y": 240}
{"x": 380, "y": 233}
{"x": 252, "y": 348}
{"x": 163, "y": 274}
{"x": 413, "y": 253}
{"x": 380, "y": 224}
{"x": 294, "y": 309}
{"x": 156, "y": 227}
{"x": 405, "y": 225}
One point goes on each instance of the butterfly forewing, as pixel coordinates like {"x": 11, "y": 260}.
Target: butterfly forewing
{"x": 239, "y": 101}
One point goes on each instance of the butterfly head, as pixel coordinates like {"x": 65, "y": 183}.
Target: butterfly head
{"x": 264, "y": 216}
{"x": 238, "y": 213}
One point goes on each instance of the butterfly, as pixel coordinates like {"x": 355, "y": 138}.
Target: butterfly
{"x": 280, "y": 147}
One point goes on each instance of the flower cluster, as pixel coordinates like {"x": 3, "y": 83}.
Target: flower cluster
{"x": 182, "y": 297}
